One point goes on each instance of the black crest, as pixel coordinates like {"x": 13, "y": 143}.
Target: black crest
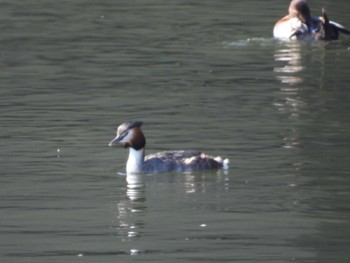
{"x": 133, "y": 124}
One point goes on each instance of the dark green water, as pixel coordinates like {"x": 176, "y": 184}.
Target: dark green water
{"x": 202, "y": 75}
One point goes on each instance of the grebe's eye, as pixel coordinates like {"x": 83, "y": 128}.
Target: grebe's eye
{"x": 123, "y": 135}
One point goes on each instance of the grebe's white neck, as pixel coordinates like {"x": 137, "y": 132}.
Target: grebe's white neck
{"x": 135, "y": 160}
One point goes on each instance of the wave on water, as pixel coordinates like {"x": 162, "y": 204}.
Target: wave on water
{"x": 257, "y": 41}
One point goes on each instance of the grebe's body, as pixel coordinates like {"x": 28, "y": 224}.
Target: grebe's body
{"x": 131, "y": 136}
{"x": 299, "y": 24}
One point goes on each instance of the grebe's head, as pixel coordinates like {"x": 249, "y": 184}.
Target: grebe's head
{"x": 300, "y": 10}
{"x": 130, "y": 135}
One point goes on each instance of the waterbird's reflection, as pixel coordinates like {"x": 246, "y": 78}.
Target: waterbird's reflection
{"x": 130, "y": 222}
{"x": 135, "y": 181}
{"x": 288, "y": 58}
{"x": 132, "y": 210}
{"x": 288, "y": 68}
{"x": 195, "y": 182}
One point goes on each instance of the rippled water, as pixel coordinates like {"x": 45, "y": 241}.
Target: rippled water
{"x": 202, "y": 75}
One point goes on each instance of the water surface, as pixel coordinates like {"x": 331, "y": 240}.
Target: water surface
{"x": 202, "y": 75}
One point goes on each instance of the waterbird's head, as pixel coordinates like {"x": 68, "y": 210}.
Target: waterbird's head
{"x": 300, "y": 9}
{"x": 130, "y": 135}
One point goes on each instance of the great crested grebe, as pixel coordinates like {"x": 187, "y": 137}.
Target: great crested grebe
{"x": 131, "y": 136}
{"x": 299, "y": 24}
